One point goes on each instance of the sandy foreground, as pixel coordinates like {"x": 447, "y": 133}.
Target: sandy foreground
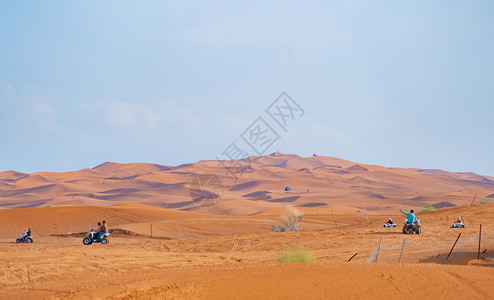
{"x": 244, "y": 264}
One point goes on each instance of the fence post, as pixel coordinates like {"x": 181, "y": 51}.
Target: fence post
{"x": 334, "y": 219}
{"x": 402, "y": 247}
{"x": 480, "y": 237}
{"x": 453, "y": 246}
{"x": 151, "y": 229}
{"x": 473, "y": 199}
{"x": 352, "y": 257}
{"x": 378, "y": 249}
{"x": 365, "y": 214}
{"x": 178, "y": 231}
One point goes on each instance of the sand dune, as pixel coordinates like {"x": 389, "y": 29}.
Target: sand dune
{"x": 320, "y": 180}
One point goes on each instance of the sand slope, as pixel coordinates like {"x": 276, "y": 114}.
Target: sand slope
{"x": 201, "y": 264}
{"x": 259, "y": 180}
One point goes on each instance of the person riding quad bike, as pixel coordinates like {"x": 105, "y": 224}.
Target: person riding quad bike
{"x": 458, "y": 223}
{"x": 94, "y": 237}
{"x": 25, "y": 237}
{"x": 389, "y": 223}
{"x": 411, "y": 224}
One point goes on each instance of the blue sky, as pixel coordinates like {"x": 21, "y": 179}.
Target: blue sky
{"x": 394, "y": 83}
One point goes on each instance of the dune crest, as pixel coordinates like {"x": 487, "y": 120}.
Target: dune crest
{"x": 256, "y": 183}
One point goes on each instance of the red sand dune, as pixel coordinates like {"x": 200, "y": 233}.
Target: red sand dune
{"x": 170, "y": 243}
{"x": 330, "y": 181}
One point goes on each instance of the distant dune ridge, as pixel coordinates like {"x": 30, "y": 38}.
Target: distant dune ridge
{"x": 258, "y": 185}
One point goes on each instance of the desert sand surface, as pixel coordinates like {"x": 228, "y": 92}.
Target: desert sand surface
{"x": 205, "y": 256}
{"x": 247, "y": 186}
{"x": 197, "y": 232}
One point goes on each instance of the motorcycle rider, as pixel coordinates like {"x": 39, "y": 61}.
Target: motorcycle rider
{"x": 104, "y": 229}
{"x": 389, "y": 221}
{"x": 96, "y": 232}
{"x": 25, "y": 234}
{"x": 458, "y": 221}
{"x": 411, "y": 216}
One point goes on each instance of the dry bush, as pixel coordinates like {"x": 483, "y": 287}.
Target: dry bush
{"x": 290, "y": 218}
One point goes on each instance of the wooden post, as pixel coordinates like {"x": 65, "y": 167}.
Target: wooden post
{"x": 378, "y": 249}
{"x": 352, "y": 257}
{"x": 178, "y": 231}
{"x": 365, "y": 214}
{"x": 233, "y": 231}
{"x": 473, "y": 199}
{"x": 402, "y": 247}
{"x": 334, "y": 219}
{"x": 453, "y": 246}
{"x": 480, "y": 237}
{"x": 16, "y": 230}
{"x": 151, "y": 229}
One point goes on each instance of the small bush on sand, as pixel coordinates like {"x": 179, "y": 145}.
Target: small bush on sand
{"x": 290, "y": 219}
{"x": 295, "y": 254}
{"x": 484, "y": 202}
{"x": 428, "y": 208}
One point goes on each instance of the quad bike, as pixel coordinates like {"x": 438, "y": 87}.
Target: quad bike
{"x": 387, "y": 225}
{"x": 457, "y": 225}
{"x": 92, "y": 237}
{"x": 24, "y": 239}
{"x": 412, "y": 227}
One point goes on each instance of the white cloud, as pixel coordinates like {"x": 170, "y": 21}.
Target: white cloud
{"x": 41, "y": 108}
{"x": 38, "y": 116}
{"x": 119, "y": 113}
{"x": 148, "y": 116}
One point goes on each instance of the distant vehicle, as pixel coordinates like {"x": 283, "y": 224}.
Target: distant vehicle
{"x": 412, "y": 227}
{"x": 389, "y": 224}
{"x": 92, "y": 237}
{"x": 25, "y": 239}
{"x": 457, "y": 225}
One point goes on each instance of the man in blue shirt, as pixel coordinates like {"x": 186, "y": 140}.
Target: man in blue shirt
{"x": 410, "y": 215}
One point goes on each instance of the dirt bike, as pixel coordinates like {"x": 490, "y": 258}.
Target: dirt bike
{"x": 387, "y": 225}
{"x": 92, "y": 237}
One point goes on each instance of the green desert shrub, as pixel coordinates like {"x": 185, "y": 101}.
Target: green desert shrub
{"x": 484, "y": 202}
{"x": 428, "y": 208}
{"x": 295, "y": 254}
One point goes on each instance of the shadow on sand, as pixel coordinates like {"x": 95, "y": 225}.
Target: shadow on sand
{"x": 459, "y": 258}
